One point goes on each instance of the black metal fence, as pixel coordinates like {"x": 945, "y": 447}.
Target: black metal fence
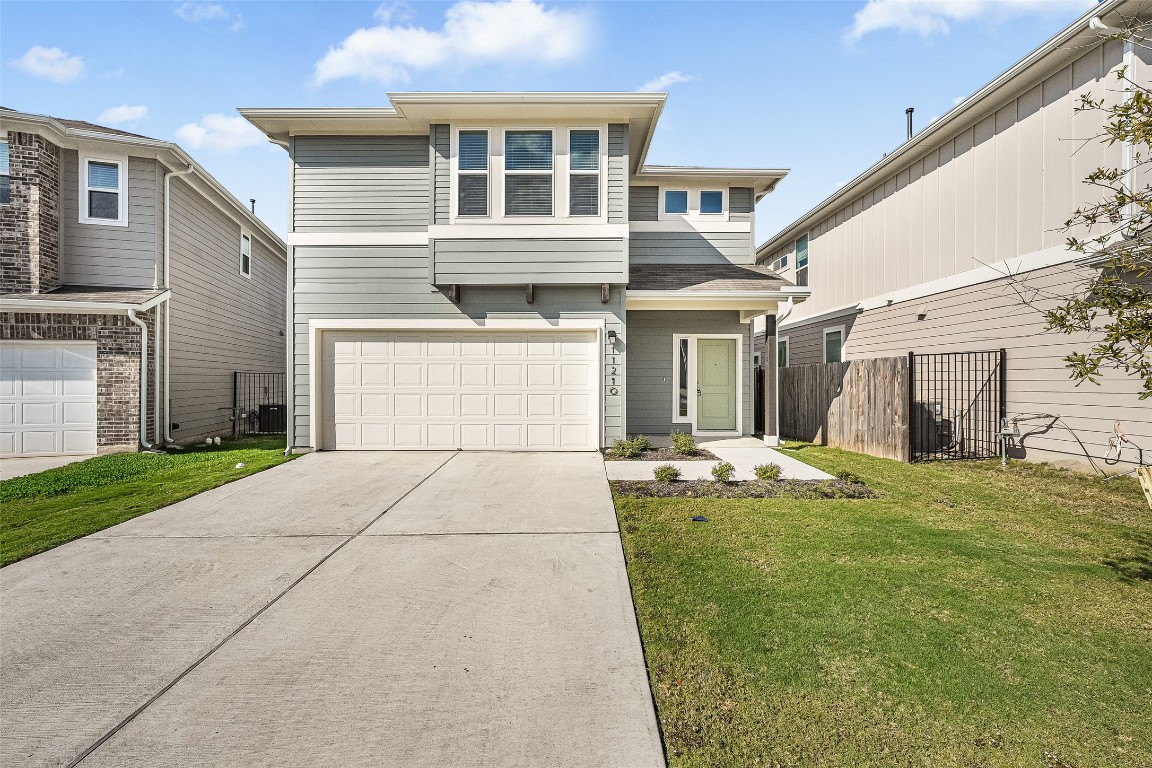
{"x": 956, "y": 405}
{"x": 758, "y": 401}
{"x": 259, "y": 403}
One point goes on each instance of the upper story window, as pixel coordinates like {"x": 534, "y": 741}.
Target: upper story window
{"x": 584, "y": 172}
{"x": 802, "y": 260}
{"x": 472, "y": 176}
{"x": 528, "y": 173}
{"x": 103, "y": 191}
{"x": 711, "y": 201}
{"x": 245, "y": 254}
{"x": 675, "y": 201}
{"x": 5, "y": 175}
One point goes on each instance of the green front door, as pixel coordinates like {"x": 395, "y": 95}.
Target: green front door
{"x": 716, "y": 385}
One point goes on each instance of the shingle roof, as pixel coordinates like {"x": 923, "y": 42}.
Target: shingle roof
{"x": 82, "y": 125}
{"x": 86, "y": 293}
{"x": 704, "y": 277}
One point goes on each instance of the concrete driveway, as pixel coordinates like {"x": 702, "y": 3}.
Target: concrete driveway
{"x": 392, "y": 609}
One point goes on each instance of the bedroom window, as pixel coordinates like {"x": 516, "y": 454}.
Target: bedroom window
{"x": 528, "y": 173}
{"x": 802, "y": 260}
{"x": 711, "y": 201}
{"x": 675, "y": 201}
{"x": 472, "y": 174}
{"x": 584, "y": 173}
{"x": 103, "y": 192}
{"x": 245, "y": 254}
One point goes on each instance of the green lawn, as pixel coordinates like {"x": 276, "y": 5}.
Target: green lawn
{"x": 970, "y": 616}
{"x": 45, "y": 510}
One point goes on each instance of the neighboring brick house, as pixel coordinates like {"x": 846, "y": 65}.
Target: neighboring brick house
{"x": 117, "y": 298}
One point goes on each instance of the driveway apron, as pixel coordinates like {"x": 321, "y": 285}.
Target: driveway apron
{"x": 407, "y": 609}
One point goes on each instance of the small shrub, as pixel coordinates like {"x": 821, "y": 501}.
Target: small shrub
{"x": 623, "y": 449}
{"x": 641, "y": 442}
{"x": 666, "y": 473}
{"x": 769, "y": 473}
{"x": 850, "y": 477}
{"x": 683, "y": 443}
{"x": 722, "y": 472}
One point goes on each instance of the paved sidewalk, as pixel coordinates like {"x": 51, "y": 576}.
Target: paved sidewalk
{"x": 408, "y": 609}
{"x": 18, "y": 466}
{"x": 743, "y": 453}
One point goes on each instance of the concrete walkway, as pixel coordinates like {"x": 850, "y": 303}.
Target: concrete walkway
{"x": 743, "y": 453}
{"x": 407, "y": 609}
{"x": 18, "y": 466}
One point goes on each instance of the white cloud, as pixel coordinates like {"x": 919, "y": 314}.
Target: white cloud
{"x": 957, "y": 99}
{"x": 928, "y": 17}
{"x": 196, "y": 12}
{"x": 219, "y": 133}
{"x": 122, "y": 114}
{"x": 50, "y": 63}
{"x": 473, "y": 33}
{"x": 668, "y": 78}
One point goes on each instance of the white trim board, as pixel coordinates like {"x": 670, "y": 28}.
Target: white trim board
{"x": 56, "y": 306}
{"x": 692, "y": 377}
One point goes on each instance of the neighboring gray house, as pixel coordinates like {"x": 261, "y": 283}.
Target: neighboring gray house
{"x": 502, "y": 271}
{"x": 130, "y": 281}
{"x": 931, "y": 249}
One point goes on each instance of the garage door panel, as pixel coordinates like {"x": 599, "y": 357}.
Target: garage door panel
{"x": 492, "y": 390}
{"x": 47, "y": 398}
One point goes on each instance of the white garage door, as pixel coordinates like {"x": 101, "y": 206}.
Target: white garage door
{"x": 47, "y": 398}
{"x": 490, "y": 390}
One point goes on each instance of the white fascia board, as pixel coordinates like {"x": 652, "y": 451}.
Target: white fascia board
{"x": 836, "y": 312}
{"x": 357, "y": 238}
{"x": 51, "y": 306}
{"x": 535, "y": 231}
{"x": 682, "y": 295}
{"x": 524, "y": 324}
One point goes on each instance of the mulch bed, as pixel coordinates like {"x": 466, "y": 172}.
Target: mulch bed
{"x": 749, "y": 489}
{"x": 666, "y": 454}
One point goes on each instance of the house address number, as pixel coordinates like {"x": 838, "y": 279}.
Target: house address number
{"x": 613, "y": 376}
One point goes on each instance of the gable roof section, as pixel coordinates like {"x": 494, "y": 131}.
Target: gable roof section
{"x": 1054, "y": 54}
{"x": 696, "y": 278}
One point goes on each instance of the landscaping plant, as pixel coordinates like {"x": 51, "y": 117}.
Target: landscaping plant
{"x": 624, "y": 449}
{"x": 666, "y": 473}
{"x": 722, "y": 472}
{"x": 769, "y": 473}
{"x": 683, "y": 443}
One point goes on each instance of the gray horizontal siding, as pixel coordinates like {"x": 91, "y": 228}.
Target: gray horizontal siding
{"x": 651, "y": 368}
{"x": 740, "y": 203}
{"x": 96, "y": 254}
{"x": 360, "y": 183}
{"x": 806, "y": 342}
{"x": 391, "y": 294}
{"x": 690, "y": 247}
{"x": 441, "y": 148}
{"x": 643, "y": 203}
{"x": 551, "y": 261}
{"x": 617, "y": 173}
{"x": 221, "y": 321}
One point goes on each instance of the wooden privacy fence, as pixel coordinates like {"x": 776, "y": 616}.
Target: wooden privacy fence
{"x": 859, "y": 405}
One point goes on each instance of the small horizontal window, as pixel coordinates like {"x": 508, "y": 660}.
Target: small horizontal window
{"x": 675, "y": 201}
{"x": 711, "y": 202}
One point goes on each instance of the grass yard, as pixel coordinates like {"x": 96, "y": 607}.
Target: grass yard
{"x": 969, "y": 616}
{"x": 45, "y": 510}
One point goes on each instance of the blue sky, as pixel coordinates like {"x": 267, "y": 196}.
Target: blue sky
{"x": 818, "y": 87}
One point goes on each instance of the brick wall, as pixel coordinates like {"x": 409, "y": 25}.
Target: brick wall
{"x": 117, "y": 364}
{"x": 30, "y": 224}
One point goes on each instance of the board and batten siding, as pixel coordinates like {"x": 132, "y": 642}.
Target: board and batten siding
{"x": 440, "y": 146}
{"x": 617, "y": 173}
{"x": 104, "y": 255}
{"x": 360, "y": 183}
{"x": 536, "y": 260}
{"x": 221, "y": 321}
{"x": 652, "y": 369}
{"x": 990, "y": 316}
{"x": 998, "y": 189}
{"x": 391, "y": 283}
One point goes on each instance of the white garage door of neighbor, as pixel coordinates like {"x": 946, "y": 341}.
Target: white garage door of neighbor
{"x": 479, "y": 390}
{"x": 47, "y": 398}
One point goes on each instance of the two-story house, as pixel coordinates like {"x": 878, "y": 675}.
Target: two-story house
{"x": 132, "y": 287}
{"x": 502, "y": 271}
{"x": 954, "y": 242}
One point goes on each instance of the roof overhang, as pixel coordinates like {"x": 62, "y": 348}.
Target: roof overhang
{"x": 761, "y": 180}
{"x": 166, "y": 153}
{"x": 749, "y": 304}
{"x": 1061, "y": 50}
{"x": 36, "y": 303}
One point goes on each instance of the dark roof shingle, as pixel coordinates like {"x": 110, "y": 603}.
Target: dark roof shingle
{"x": 704, "y": 277}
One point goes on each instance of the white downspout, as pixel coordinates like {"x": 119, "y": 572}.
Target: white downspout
{"x": 775, "y": 362}
{"x": 168, "y": 303}
{"x": 143, "y": 379}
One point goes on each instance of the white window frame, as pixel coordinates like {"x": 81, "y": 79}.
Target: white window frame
{"x": 824, "y": 351}
{"x": 796, "y": 257}
{"x": 693, "y": 213}
{"x": 244, "y": 233}
{"x": 504, "y": 173}
{"x": 787, "y": 351}
{"x": 456, "y": 172}
{"x": 723, "y": 213}
{"x": 601, "y": 176}
{"x": 664, "y": 214}
{"x": 692, "y": 377}
{"x": 122, "y": 162}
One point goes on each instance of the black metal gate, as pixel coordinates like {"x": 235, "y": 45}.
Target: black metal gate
{"x": 956, "y": 405}
{"x": 258, "y": 404}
